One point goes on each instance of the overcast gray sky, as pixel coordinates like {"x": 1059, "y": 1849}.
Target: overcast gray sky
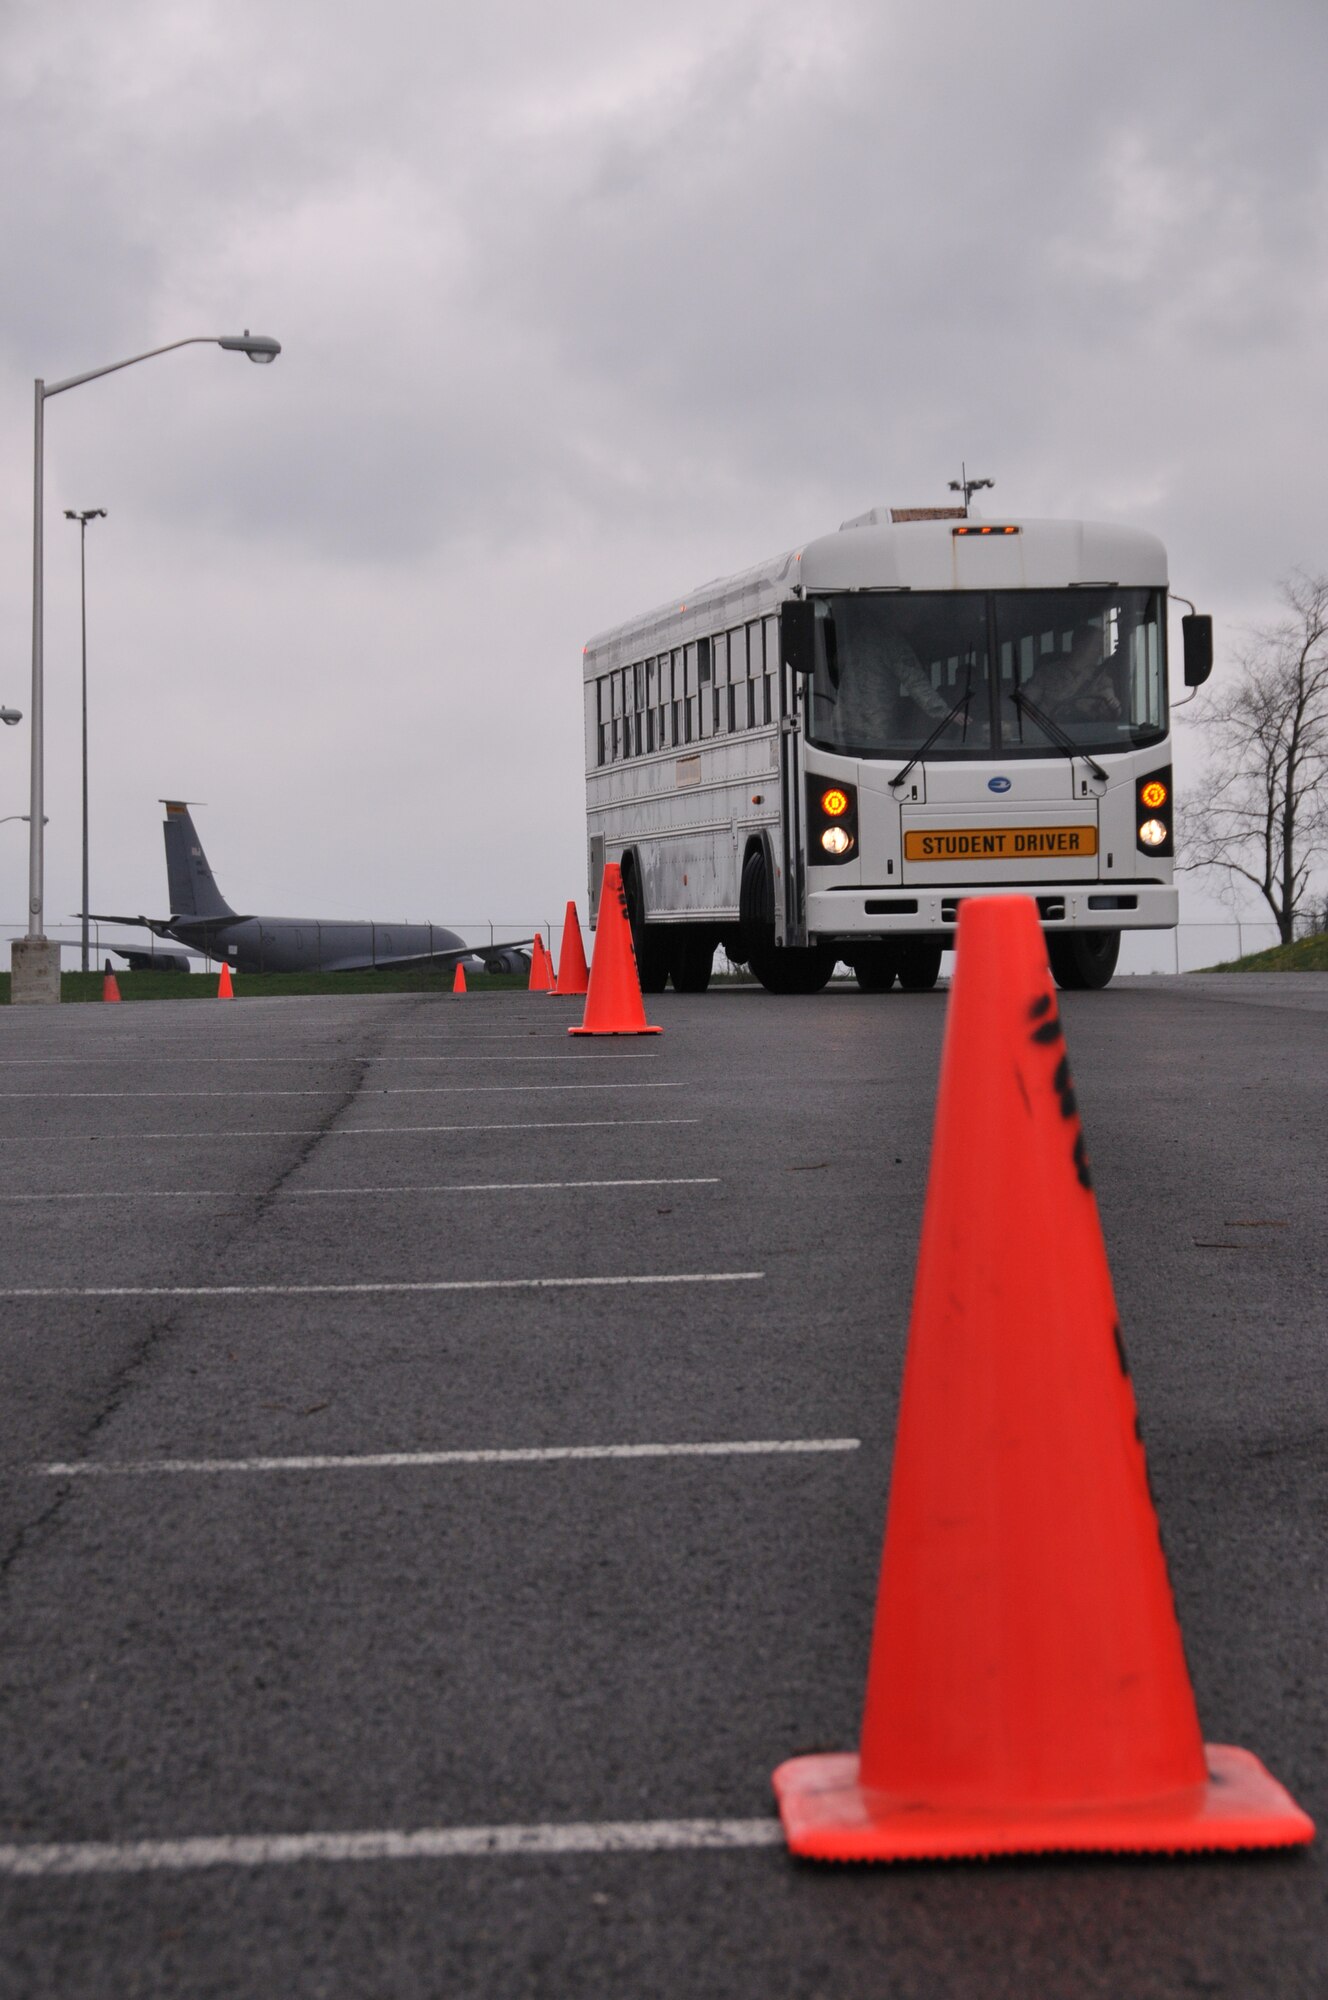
{"x": 581, "y": 305}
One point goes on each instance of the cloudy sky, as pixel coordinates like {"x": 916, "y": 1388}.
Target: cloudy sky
{"x": 580, "y": 305}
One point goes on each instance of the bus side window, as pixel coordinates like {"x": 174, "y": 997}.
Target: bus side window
{"x": 720, "y": 701}
{"x": 689, "y": 692}
{"x": 601, "y": 721}
{"x": 737, "y": 676}
{"x": 705, "y": 671}
{"x": 770, "y": 705}
{"x": 755, "y": 662}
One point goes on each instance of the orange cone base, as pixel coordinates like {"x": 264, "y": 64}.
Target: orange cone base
{"x": 615, "y": 1031}
{"x": 828, "y": 1816}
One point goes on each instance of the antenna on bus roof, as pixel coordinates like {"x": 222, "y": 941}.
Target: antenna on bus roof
{"x": 968, "y": 487}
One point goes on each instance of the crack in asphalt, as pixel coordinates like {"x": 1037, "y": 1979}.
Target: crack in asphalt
{"x": 161, "y": 1326}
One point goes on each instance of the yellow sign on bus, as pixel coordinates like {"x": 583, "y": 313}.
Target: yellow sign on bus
{"x": 1000, "y": 843}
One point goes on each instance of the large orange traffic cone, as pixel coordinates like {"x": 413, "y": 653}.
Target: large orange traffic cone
{"x": 573, "y": 974}
{"x": 459, "y": 978}
{"x": 225, "y": 989}
{"x": 541, "y": 975}
{"x": 613, "y": 994}
{"x": 1027, "y": 1688}
{"x": 110, "y": 989}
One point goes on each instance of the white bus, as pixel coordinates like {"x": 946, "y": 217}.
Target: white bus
{"x": 817, "y": 759}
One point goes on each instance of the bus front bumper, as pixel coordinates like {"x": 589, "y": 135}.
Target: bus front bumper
{"x": 889, "y": 912}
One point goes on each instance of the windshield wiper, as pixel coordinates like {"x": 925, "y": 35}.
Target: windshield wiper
{"x": 944, "y": 723}
{"x": 1067, "y": 743}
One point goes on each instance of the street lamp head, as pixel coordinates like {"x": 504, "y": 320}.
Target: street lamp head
{"x": 87, "y": 514}
{"x": 258, "y": 346}
{"x": 11, "y": 715}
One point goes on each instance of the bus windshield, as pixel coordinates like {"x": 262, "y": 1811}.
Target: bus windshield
{"x": 890, "y": 667}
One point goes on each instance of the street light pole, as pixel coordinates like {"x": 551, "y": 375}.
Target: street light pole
{"x": 36, "y": 959}
{"x": 88, "y": 514}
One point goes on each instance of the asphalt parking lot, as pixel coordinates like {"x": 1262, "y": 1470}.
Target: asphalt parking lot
{"x": 443, "y": 1464}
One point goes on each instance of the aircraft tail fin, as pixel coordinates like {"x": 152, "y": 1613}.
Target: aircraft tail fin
{"x": 193, "y": 890}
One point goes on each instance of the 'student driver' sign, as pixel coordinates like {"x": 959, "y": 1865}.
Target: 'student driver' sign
{"x": 1000, "y": 843}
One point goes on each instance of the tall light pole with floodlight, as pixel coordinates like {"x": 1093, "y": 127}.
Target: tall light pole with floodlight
{"x": 36, "y": 958}
{"x": 87, "y": 514}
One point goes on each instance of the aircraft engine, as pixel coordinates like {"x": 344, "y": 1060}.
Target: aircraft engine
{"x": 152, "y": 961}
{"x": 512, "y": 959}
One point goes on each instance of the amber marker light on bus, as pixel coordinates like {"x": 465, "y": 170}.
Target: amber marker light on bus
{"x": 1152, "y": 806}
{"x": 832, "y": 822}
{"x": 987, "y": 528}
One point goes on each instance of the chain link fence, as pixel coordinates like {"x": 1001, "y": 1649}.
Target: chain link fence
{"x": 1191, "y": 946}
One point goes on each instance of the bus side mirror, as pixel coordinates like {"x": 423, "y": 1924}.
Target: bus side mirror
{"x": 797, "y": 635}
{"x": 1197, "y": 637}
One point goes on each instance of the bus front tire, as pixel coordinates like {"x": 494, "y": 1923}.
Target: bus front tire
{"x": 1083, "y": 961}
{"x": 919, "y": 965}
{"x": 876, "y": 967}
{"x": 780, "y": 968}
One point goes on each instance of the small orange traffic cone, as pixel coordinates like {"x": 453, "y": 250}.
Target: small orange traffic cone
{"x": 613, "y": 993}
{"x": 541, "y": 974}
{"x": 1027, "y": 1688}
{"x": 459, "y": 978}
{"x": 225, "y": 989}
{"x": 109, "y": 987}
{"x": 573, "y": 973}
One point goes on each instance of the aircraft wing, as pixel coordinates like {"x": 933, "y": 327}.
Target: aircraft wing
{"x": 418, "y": 961}
{"x": 159, "y": 924}
{"x": 165, "y": 926}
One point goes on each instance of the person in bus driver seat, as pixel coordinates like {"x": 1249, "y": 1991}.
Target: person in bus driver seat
{"x": 1080, "y": 685}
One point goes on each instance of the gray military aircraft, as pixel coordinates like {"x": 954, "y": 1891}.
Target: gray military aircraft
{"x": 203, "y": 921}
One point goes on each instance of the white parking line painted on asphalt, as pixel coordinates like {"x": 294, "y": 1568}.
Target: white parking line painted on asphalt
{"x": 430, "y": 1843}
{"x": 375, "y": 1287}
{"x": 331, "y": 1090}
{"x": 341, "y": 1131}
{"x": 409, "y": 1461}
{"x": 242, "y": 1062}
{"x": 302, "y": 1194}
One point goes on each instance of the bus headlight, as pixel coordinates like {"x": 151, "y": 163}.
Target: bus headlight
{"x": 832, "y": 821}
{"x": 1153, "y": 810}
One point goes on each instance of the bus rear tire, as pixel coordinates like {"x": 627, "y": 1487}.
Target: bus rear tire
{"x": 693, "y": 959}
{"x": 780, "y": 968}
{"x": 1083, "y": 961}
{"x": 876, "y": 967}
{"x": 919, "y": 965}
{"x": 651, "y": 943}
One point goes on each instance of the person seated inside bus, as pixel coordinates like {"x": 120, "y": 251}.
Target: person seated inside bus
{"x": 1078, "y": 685}
{"x": 887, "y": 696}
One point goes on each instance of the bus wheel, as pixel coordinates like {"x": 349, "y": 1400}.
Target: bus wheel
{"x": 651, "y": 943}
{"x": 1083, "y": 960}
{"x": 780, "y": 968}
{"x": 919, "y": 965}
{"x": 693, "y": 959}
{"x": 876, "y": 967}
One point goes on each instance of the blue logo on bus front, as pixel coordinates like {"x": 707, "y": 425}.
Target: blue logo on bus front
{"x": 998, "y": 784}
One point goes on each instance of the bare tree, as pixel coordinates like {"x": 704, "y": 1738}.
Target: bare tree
{"x": 1260, "y": 810}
